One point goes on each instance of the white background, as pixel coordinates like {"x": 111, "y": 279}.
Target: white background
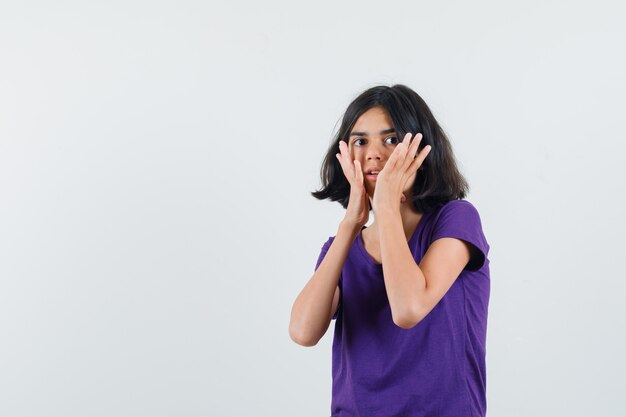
{"x": 156, "y": 222}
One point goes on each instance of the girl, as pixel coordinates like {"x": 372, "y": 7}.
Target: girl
{"x": 410, "y": 292}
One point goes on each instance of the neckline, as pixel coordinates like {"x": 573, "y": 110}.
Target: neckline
{"x": 368, "y": 257}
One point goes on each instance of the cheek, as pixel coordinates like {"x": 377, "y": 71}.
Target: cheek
{"x": 354, "y": 152}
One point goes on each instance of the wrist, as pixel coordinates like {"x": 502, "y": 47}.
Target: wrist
{"x": 349, "y": 228}
{"x": 386, "y": 209}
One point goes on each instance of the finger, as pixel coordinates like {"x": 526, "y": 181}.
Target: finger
{"x": 358, "y": 172}
{"x": 409, "y": 159}
{"x": 407, "y": 138}
{"x": 405, "y": 162}
{"x": 412, "y": 150}
{"x": 406, "y": 144}
{"x": 340, "y": 156}
{"x": 415, "y": 144}
{"x": 347, "y": 152}
{"x": 400, "y": 154}
{"x": 342, "y": 146}
{"x": 346, "y": 164}
{"x": 342, "y": 162}
{"x": 396, "y": 156}
{"x": 419, "y": 159}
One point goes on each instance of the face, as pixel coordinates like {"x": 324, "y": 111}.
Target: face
{"x": 371, "y": 142}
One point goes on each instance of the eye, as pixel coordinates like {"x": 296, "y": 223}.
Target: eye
{"x": 394, "y": 138}
{"x": 356, "y": 140}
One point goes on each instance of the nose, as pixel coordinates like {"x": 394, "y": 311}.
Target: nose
{"x": 375, "y": 151}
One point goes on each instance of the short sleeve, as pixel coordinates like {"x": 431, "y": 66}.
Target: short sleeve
{"x": 323, "y": 252}
{"x": 460, "y": 219}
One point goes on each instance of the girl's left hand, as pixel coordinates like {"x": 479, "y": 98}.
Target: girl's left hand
{"x": 399, "y": 173}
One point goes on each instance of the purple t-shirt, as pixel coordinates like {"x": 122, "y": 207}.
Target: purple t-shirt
{"x": 436, "y": 368}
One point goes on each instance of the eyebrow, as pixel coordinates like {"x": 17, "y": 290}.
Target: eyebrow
{"x": 382, "y": 132}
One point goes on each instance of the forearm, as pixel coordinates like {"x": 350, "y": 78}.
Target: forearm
{"x": 310, "y": 314}
{"x": 404, "y": 280}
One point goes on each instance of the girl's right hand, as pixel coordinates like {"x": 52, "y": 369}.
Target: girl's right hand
{"x": 358, "y": 211}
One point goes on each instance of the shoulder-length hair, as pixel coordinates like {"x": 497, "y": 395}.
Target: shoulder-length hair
{"x": 438, "y": 179}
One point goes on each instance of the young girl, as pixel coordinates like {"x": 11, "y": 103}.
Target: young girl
{"x": 410, "y": 292}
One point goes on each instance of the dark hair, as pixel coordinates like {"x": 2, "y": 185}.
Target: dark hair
{"x": 438, "y": 180}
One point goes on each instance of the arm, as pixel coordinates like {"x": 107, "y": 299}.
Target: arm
{"x": 315, "y": 305}
{"x": 413, "y": 290}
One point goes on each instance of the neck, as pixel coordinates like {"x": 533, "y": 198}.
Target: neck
{"x": 410, "y": 218}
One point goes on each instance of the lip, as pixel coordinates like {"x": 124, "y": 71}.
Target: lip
{"x": 370, "y": 169}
